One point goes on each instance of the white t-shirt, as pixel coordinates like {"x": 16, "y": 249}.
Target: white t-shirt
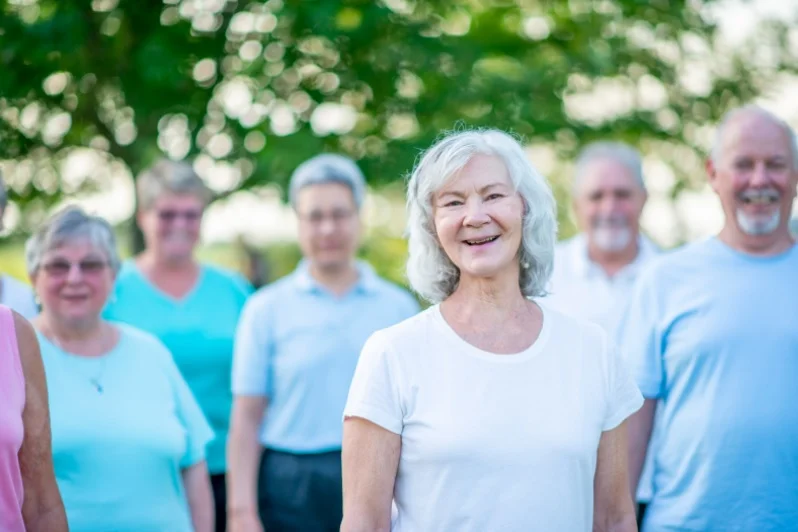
{"x": 18, "y": 297}
{"x": 493, "y": 442}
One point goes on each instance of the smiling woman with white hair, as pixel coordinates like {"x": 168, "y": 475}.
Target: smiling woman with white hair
{"x": 487, "y": 411}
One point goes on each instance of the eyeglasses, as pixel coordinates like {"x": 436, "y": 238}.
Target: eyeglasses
{"x": 170, "y": 215}
{"x": 87, "y": 267}
{"x": 337, "y": 217}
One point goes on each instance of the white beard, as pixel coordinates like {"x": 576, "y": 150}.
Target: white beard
{"x": 611, "y": 239}
{"x": 758, "y": 226}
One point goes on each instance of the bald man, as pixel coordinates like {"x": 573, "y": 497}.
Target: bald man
{"x": 712, "y": 335}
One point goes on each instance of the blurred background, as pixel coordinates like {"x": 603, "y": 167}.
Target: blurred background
{"x": 93, "y": 91}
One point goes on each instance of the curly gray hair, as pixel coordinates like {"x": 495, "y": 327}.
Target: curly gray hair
{"x": 66, "y": 226}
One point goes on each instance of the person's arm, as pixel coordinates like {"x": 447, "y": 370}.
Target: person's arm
{"x": 640, "y": 426}
{"x": 370, "y": 458}
{"x": 199, "y": 494}
{"x": 42, "y": 508}
{"x": 251, "y": 385}
{"x": 641, "y": 335}
{"x": 193, "y": 465}
{"x": 613, "y": 507}
{"x": 243, "y": 463}
{"x": 373, "y": 424}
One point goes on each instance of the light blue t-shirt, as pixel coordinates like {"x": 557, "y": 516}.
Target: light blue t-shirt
{"x": 198, "y": 329}
{"x": 713, "y": 333}
{"x": 298, "y": 345}
{"x": 118, "y": 454}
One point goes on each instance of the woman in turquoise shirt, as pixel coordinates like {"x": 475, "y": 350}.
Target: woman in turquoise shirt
{"x": 192, "y": 308}
{"x": 128, "y": 438}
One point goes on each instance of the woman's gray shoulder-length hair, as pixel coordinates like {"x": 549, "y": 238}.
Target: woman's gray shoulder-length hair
{"x": 431, "y": 273}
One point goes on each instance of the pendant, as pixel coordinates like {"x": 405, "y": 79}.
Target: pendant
{"x": 97, "y": 386}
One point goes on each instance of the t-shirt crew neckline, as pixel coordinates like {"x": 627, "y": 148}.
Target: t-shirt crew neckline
{"x": 87, "y": 359}
{"x": 510, "y": 358}
{"x": 750, "y": 258}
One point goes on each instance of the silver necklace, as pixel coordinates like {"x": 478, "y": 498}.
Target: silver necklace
{"x": 96, "y": 381}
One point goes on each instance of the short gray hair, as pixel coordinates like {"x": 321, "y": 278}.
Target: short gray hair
{"x": 731, "y": 115}
{"x": 430, "y": 271}
{"x": 66, "y": 226}
{"x": 169, "y": 177}
{"x": 328, "y": 168}
{"x": 619, "y": 152}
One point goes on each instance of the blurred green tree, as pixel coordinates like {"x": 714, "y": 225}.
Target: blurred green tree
{"x": 253, "y": 88}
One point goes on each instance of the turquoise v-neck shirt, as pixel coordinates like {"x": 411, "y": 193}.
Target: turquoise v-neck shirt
{"x": 198, "y": 329}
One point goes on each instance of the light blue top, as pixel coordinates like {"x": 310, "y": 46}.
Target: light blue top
{"x": 713, "y": 333}
{"x": 298, "y": 345}
{"x": 118, "y": 454}
{"x": 198, "y": 329}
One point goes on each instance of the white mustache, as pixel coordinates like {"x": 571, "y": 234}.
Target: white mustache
{"x": 753, "y": 194}
{"x": 610, "y": 222}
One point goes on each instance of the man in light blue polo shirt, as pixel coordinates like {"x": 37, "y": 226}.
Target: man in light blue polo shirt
{"x": 295, "y": 353}
{"x": 712, "y": 332}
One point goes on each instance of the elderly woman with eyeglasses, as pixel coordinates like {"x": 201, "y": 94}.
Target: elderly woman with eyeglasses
{"x": 193, "y": 308}
{"x": 128, "y": 438}
{"x": 487, "y": 411}
{"x": 295, "y": 353}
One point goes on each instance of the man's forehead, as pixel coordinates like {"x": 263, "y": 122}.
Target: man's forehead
{"x": 606, "y": 173}
{"x": 325, "y": 192}
{"x": 754, "y": 134}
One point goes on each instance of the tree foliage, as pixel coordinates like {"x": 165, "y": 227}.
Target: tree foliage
{"x": 250, "y": 89}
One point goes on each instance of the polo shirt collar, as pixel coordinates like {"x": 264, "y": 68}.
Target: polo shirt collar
{"x": 366, "y": 282}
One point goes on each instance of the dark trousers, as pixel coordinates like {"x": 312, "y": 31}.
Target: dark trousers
{"x": 220, "y": 501}
{"x": 300, "y": 492}
{"x": 641, "y": 513}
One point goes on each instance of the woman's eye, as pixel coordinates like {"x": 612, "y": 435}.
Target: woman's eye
{"x": 453, "y": 203}
{"x": 495, "y": 196}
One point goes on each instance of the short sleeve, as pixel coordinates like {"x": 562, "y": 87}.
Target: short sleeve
{"x": 374, "y": 393}
{"x": 252, "y": 349}
{"x": 640, "y": 339}
{"x": 198, "y": 432}
{"x": 623, "y": 395}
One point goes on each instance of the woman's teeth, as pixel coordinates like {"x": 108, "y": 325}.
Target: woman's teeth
{"x": 482, "y": 241}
